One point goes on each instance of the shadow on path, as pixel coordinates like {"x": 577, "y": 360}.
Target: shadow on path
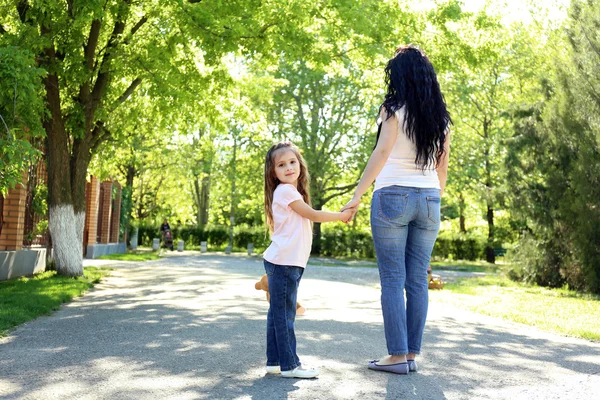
{"x": 193, "y": 327}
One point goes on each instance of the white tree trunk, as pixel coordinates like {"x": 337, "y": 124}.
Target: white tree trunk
{"x": 66, "y": 229}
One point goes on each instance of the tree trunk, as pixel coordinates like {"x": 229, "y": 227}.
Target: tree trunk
{"x": 204, "y": 201}
{"x": 316, "y": 244}
{"x": 1, "y": 212}
{"x": 490, "y": 256}
{"x": 461, "y": 213}
{"x": 232, "y": 209}
{"x": 196, "y": 197}
{"x": 201, "y": 197}
{"x": 65, "y": 225}
{"x": 131, "y": 173}
{"x": 489, "y": 251}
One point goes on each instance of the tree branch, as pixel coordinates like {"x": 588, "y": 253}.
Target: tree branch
{"x": 89, "y": 53}
{"x": 136, "y": 82}
{"x": 352, "y": 185}
{"x": 340, "y": 192}
{"x": 70, "y": 8}
{"x": 135, "y": 28}
{"x": 92, "y": 44}
{"x": 592, "y": 45}
{"x": 104, "y": 74}
{"x": 22, "y": 8}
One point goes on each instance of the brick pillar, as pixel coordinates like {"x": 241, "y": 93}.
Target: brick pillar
{"x": 116, "y": 216}
{"x": 92, "y": 201}
{"x": 14, "y": 219}
{"x": 105, "y": 213}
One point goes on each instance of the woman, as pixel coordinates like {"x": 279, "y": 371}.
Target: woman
{"x": 409, "y": 166}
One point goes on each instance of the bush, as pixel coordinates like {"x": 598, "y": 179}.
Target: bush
{"x": 347, "y": 243}
{"x": 146, "y": 234}
{"x": 359, "y": 244}
{"x": 257, "y": 235}
{"x": 546, "y": 263}
{"x": 459, "y": 247}
{"x": 334, "y": 242}
{"x": 215, "y": 235}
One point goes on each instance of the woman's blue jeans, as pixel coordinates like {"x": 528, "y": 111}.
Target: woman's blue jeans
{"x": 405, "y": 222}
{"x": 281, "y": 339}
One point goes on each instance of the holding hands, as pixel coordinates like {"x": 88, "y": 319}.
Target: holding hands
{"x": 350, "y": 209}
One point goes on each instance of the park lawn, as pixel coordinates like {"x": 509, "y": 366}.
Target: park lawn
{"x": 557, "y": 310}
{"x": 25, "y": 299}
{"x": 132, "y": 256}
{"x": 465, "y": 266}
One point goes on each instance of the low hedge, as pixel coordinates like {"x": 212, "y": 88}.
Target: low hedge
{"x": 347, "y": 243}
{"x": 334, "y": 242}
{"x": 459, "y": 247}
{"x": 215, "y": 235}
{"x": 359, "y": 244}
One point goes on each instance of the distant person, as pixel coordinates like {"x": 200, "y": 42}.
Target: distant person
{"x": 289, "y": 215}
{"x": 167, "y": 235}
{"x": 409, "y": 166}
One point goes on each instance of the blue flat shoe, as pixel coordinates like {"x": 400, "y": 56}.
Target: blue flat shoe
{"x": 400, "y": 368}
{"x": 412, "y": 365}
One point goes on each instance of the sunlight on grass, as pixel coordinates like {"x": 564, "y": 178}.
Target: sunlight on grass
{"x": 557, "y": 310}
{"x": 465, "y": 266}
{"x": 24, "y": 299}
{"x": 132, "y": 256}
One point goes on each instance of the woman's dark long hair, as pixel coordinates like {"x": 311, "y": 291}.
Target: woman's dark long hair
{"x": 412, "y": 83}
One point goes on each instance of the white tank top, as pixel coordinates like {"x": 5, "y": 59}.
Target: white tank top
{"x": 400, "y": 168}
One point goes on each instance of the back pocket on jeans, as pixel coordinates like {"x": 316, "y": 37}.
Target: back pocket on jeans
{"x": 433, "y": 209}
{"x": 392, "y": 205}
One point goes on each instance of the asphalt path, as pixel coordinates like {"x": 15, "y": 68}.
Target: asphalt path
{"x": 191, "y": 326}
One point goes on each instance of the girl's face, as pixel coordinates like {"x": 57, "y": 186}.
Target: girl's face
{"x": 287, "y": 167}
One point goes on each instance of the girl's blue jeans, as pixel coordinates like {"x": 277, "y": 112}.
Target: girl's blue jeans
{"x": 405, "y": 222}
{"x": 281, "y": 339}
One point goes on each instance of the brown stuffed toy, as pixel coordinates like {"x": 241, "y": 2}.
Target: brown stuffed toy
{"x": 263, "y": 284}
{"x": 434, "y": 281}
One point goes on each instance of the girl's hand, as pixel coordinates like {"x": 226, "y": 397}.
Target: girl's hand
{"x": 348, "y": 214}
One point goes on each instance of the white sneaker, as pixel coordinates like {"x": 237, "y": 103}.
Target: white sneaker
{"x": 300, "y": 372}
{"x": 273, "y": 369}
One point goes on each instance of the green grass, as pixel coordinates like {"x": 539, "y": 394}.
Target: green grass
{"x": 132, "y": 256}
{"x": 556, "y": 310}
{"x": 24, "y": 299}
{"x": 465, "y": 266}
{"x": 460, "y": 265}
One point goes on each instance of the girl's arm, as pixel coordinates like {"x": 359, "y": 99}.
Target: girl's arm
{"x": 442, "y": 168}
{"x": 387, "y": 139}
{"x": 307, "y": 211}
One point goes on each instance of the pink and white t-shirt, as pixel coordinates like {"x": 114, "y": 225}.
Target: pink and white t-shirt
{"x": 291, "y": 239}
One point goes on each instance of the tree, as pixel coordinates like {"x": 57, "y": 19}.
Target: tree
{"x": 487, "y": 71}
{"x": 20, "y": 116}
{"x": 555, "y": 161}
{"x": 97, "y": 54}
{"x": 325, "y": 115}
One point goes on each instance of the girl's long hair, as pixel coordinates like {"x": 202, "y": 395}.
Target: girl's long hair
{"x": 271, "y": 180}
{"x": 412, "y": 83}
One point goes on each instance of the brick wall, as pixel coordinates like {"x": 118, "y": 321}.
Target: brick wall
{"x": 92, "y": 202}
{"x": 105, "y": 213}
{"x": 14, "y": 219}
{"x": 116, "y": 215}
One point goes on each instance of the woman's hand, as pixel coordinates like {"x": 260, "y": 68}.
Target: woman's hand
{"x": 354, "y": 203}
{"x": 351, "y": 206}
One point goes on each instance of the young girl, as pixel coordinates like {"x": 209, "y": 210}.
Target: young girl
{"x": 289, "y": 216}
